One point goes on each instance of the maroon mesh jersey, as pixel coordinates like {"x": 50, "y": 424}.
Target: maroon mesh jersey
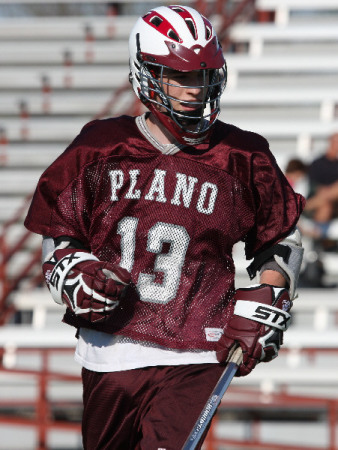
{"x": 171, "y": 220}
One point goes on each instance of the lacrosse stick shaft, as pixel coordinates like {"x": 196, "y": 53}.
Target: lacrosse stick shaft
{"x": 213, "y": 401}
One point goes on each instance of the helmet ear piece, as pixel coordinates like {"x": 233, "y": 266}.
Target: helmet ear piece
{"x": 138, "y": 53}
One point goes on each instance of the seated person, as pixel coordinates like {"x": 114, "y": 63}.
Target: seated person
{"x": 322, "y": 204}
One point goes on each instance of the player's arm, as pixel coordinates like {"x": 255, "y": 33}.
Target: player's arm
{"x": 260, "y": 313}
{"x": 274, "y": 278}
{"x": 91, "y": 288}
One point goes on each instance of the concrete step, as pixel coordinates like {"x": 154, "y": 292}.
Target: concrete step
{"x": 88, "y": 77}
{"x": 55, "y": 103}
{"x": 16, "y": 182}
{"x": 53, "y": 53}
{"x": 34, "y": 156}
{"x": 69, "y": 28}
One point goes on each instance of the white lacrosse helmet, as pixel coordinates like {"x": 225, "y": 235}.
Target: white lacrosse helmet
{"x": 177, "y": 38}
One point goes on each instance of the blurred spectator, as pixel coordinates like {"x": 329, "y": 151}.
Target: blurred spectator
{"x": 322, "y": 204}
{"x": 318, "y": 182}
{"x": 323, "y": 171}
{"x": 296, "y": 172}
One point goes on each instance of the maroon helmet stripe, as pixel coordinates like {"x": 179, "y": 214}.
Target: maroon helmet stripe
{"x": 162, "y": 25}
{"x": 188, "y": 18}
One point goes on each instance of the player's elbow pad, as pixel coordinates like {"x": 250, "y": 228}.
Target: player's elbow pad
{"x": 287, "y": 254}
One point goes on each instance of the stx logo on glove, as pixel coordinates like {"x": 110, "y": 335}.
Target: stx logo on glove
{"x": 56, "y": 275}
{"x": 89, "y": 287}
{"x": 61, "y": 270}
{"x": 272, "y": 315}
{"x": 268, "y": 315}
{"x": 260, "y": 315}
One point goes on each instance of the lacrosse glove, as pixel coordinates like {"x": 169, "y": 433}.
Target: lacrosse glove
{"x": 91, "y": 288}
{"x": 259, "y": 316}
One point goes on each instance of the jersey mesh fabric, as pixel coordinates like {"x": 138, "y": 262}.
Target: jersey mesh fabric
{"x": 171, "y": 220}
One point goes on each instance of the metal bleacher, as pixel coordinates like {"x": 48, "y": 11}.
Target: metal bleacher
{"x": 57, "y": 73}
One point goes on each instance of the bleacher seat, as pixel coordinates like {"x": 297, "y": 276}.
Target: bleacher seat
{"x": 283, "y": 9}
{"x": 52, "y": 53}
{"x": 259, "y": 36}
{"x": 70, "y": 28}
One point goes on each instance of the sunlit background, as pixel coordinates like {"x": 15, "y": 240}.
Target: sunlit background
{"x": 63, "y": 64}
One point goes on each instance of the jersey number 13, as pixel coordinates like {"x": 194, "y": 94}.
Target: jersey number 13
{"x": 170, "y": 264}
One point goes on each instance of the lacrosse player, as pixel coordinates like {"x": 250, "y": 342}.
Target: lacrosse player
{"x": 139, "y": 217}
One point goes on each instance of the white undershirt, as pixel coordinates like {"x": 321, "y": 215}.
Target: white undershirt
{"x": 103, "y": 352}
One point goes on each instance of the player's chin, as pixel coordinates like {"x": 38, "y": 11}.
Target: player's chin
{"x": 190, "y": 116}
{"x": 190, "y": 108}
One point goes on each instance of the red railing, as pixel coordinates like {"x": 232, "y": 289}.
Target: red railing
{"x": 248, "y": 398}
{"x": 41, "y": 417}
{"x": 235, "y": 399}
{"x": 10, "y": 283}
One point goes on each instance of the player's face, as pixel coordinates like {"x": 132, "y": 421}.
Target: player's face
{"x": 186, "y": 90}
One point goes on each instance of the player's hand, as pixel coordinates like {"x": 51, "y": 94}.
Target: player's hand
{"x": 259, "y": 318}
{"x": 90, "y": 288}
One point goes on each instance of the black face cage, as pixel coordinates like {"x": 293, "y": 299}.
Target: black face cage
{"x": 196, "y": 121}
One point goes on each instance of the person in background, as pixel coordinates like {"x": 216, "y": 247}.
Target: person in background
{"x": 322, "y": 203}
{"x": 296, "y": 172}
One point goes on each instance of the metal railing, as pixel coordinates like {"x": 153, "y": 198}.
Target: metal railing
{"x": 40, "y": 416}
{"x": 250, "y": 399}
{"x": 8, "y": 283}
{"x": 41, "y": 410}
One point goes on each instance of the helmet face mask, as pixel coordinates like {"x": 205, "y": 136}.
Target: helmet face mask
{"x": 195, "y": 115}
{"x": 174, "y": 50}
